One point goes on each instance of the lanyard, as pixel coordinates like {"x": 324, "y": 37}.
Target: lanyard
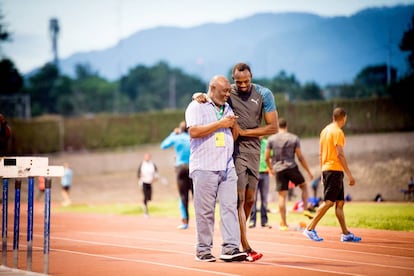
{"x": 219, "y": 111}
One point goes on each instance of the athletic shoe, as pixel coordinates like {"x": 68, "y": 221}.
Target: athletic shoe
{"x": 205, "y": 258}
{"x": 182, "y": 226}
{"x": 350, "y": 238}
{"x": 267, "y": 226}
{"x": 283, "y": 228}
{"x": 252, "y": 224}
{"x": 233, "y": 256}
{"x": 308, "y": 214}
{"x": 253, "y": 255}
{"x": 311, "y": 234}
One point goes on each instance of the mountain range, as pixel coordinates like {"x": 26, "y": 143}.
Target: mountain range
{"x": 326, "y": 50}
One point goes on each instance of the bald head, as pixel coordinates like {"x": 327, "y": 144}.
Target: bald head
{"x": 339, "y": 116}
{"x": 219, "y": 89}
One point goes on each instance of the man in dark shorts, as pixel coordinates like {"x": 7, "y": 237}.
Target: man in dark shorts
{"x": 285, "y": 146}
{"x": 250, "y": 102}
{"x": 333, "y": 166}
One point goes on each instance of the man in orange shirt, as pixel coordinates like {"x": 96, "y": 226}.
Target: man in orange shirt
{"x": 333, "y": 166}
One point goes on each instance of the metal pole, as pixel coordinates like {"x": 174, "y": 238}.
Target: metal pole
{"x": 16, "y": 232}
{"x": 4, "y": 224}
{"x": 30, "y": 222}
{"x": 46, "y": 241}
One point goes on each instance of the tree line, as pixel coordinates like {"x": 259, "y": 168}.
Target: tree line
{"x": 161, "y": 87}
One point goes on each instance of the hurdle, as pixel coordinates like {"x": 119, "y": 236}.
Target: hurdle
{"x": 26, "y": 167}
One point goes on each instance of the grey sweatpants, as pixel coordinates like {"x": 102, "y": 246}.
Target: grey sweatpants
{"x": 209, "y": 187}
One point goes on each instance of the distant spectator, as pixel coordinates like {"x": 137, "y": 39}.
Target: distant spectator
{"x": 411, "y": 184}
{"x": 147, "y": 174}
{"x": 315, "y": 185}
{"x": 66, "y": 184}
{"x": 5, "y": 136}
{"x": 41, "y": 187}
{"x": 262, "y": 189}
{"x": 179, "y": 139}
{"x": 378, "y": 198}
{"x": 411, "y": 187}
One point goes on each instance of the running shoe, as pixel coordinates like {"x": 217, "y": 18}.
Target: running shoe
{"x": 350, "y": 238}
{"x": 233, "y": 256}
{"x": 182, "y": 226}
{"x": 311, "y": 234}
{"x": 267, "y": 226}
{"x": 252, "y": 224}
{"x": 308, "y": 214}
{"x": 283, "y": 228}
{"x": 253, "y": 256}
{"x": 205, "y": 258}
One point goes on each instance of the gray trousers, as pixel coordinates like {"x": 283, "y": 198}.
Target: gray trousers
{"x": 209, "y": 187}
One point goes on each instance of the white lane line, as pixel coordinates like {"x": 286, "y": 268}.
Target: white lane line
{"x": 210, "y": 272}
{"x": 282, "y": 253}
{"x": 278, "y": 244}
{"x": 123, "y": 246}
{"x": 272, "y": 264}
{"x": 351, "y": 262}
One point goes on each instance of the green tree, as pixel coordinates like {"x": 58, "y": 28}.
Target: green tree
{"x": 285, "y": 84}
{"x": 153, "y": 88}
{"x": 311, "y": 92}
{"x": 90, "y": 92}
{"x": 5, "y": 35}
{"x": 10, "y": 79}
{"x": 407, "y": 44}
{"x": 43, "y": 90}
{"x": 402, "y": 91}
{"x": 372, "y": 81}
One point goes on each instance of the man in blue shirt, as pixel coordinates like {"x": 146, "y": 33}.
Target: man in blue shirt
{"x": 180, "y": 140}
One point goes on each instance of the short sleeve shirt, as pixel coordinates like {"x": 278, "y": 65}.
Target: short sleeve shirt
{"x": 249, "y": 107}
{"x": 206, "y": 153}
{"x": 284, "y": 146}
{"x": 331, "y": 136}
{"x": 181, "y": 144}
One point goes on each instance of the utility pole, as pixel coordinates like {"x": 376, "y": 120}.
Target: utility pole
{"x": 172, "y": 92}
{"x": 389, "y": 58}
{"x": 54, "y": 32}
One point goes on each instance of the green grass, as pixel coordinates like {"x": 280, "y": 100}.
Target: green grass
{"x": 397, "y": 216}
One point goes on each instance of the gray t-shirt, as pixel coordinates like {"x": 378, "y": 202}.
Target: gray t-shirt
{"x": 283, "y": 146}
{"x": 250, "y": 108}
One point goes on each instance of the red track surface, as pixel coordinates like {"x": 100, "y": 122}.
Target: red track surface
{"x": 130, "y": 245}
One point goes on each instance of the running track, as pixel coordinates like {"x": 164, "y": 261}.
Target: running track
{"x": 83, "y": 244}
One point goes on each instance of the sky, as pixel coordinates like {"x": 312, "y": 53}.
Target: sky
{"x": 87, "y": 25}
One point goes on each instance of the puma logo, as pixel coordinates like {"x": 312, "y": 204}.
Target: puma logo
{"x": 255, "y": 101}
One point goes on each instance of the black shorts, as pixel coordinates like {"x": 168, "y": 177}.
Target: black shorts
{"x": 147, "y": 190}
{"x": 283, "y": 178}
{"x": 66, "y": 188}
{"x": 247, "y": 169}
{"x": 183, "y": 178}
{"x": 333, "y": 185}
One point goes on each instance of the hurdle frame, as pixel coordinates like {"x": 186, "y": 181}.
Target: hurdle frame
{"x": 18, "y": 168}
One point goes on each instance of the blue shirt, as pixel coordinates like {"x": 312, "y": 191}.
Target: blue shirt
{"x": 67, "y": 177}
{"x": 205, "y": 154}
{"x": 181, "y": 144}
